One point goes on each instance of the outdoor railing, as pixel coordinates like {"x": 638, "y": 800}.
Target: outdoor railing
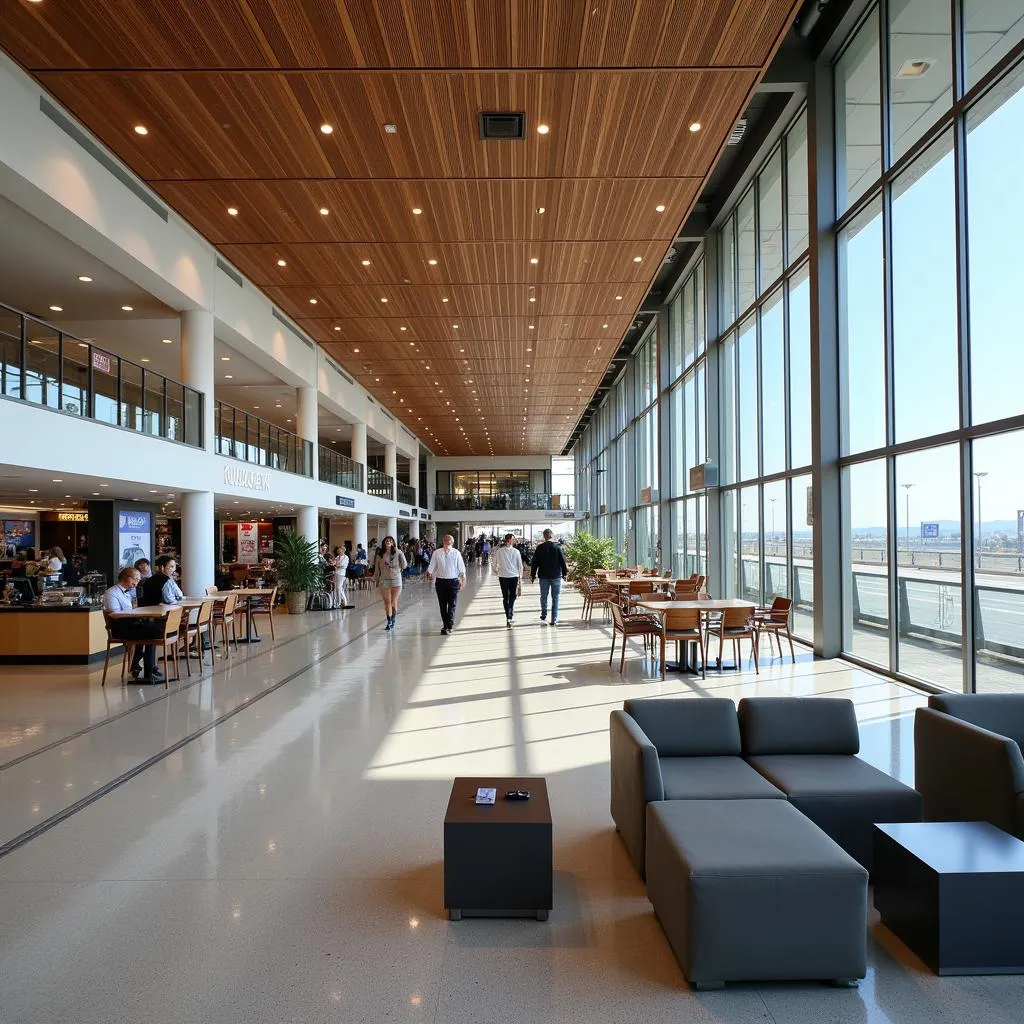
{"x": 406, "y": 494}
{"x": 240, "y": 435}
{"x": 339, "y": 470}
{"x": 379, "y": 484}
{"x": 511, "y": 501}
{"x": 42, "y": 365}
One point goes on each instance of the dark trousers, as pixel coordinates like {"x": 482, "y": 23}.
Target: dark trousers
{"x": 136, "y": 631}
{"x": 509, "y": 590}
{"x": 447, "y": 599}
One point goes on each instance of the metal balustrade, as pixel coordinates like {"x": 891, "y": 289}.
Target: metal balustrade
{"x": 339, "y": 470}
{"x": 45, "y": 366}
{"x": 240, "y": 435}
{"x": 406, "y": 494}
{"x": 515, "y": 501}
{"x": 379, "y": 484}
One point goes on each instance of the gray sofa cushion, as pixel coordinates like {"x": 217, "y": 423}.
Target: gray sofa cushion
{"x": 714, "y": 778}
{"x": 798, "y": 725}
{"x": 1001, "y": 713}
{"x": 750, "y": 890}
{"x": 842, "y": 795}
{"x": 688, "y": 727}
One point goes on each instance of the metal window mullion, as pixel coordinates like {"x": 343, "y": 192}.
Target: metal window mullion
{"x": 885, "y": 83}
{"x": 968, "y": 576}
{"x": 60, "y": 370}
{"x": 890, "y": 427}
{"x": 892, "y": 554}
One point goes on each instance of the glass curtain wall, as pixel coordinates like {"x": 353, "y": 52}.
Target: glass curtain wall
{"x": 928, "y": 152}
{"x": 764, "y": 379}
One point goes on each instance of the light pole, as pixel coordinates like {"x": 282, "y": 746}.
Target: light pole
{"x": 906, "y": 487}
{"x": 978, "y": 476}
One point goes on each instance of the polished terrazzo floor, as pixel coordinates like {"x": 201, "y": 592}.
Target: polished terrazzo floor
{"x": 264, "y": 845}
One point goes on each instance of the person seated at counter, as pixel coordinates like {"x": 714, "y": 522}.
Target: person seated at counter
{"x": 160, "y": 588}
{"x": 118, "y": 598}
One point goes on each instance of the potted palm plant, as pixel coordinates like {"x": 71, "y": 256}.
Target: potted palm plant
{"x": 297, "y": 570}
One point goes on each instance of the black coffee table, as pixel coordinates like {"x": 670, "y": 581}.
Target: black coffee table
{"x": 953, "y": 891}
{"x": 497, "y": 858}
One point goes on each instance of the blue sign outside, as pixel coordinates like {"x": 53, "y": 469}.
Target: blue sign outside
{"x": 929, "y": 531}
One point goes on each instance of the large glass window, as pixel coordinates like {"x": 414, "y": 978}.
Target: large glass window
{"x": 800, "y": 370}
{"x": 776, "y": 535}
{"x": 769, "y": 228}
{"x": 928, "y": 604}
{"x": 749, "y": 431}
{"x": 746, "y": 252}
{"x": 865, "y": 556}
{"x": 797, "y": 199}
{"x": 773, "y": 386}
{"x": 858, "y": 116}
{"x": 995, "y": 211}
{"x": 924, "y": 308}
{"x": 862, "y": 331}
{"x": 802, "y": 532}
{"x": 727, "y": 245}
{"x": 993, "y": 28}
{"x": 729, "y": 413}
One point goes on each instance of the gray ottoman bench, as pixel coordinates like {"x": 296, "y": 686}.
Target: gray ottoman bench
{"x": 751, "y": 890}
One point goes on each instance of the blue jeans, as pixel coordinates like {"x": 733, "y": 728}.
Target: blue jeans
{"x": 555, "y": 587}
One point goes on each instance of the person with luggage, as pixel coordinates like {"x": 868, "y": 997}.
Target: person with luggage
{"x": 388, "y": 567}
{"x": 508, "y": 564}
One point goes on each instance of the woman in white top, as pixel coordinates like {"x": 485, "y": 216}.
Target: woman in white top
{"x": 55, "y": 564}
{"x": 388, "y": 567}
{"x": 340, "y": 577}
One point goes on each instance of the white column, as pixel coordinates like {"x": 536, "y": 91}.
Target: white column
{"x": 414, "y": 477}
{"x": 391, "y": 463}
{"x": 359, "y": 455}
{"x": 197, "y": 542}
{"x": 414, "y": 528}
{"x": 197, "y": 365}
{"x": 392, "y": 528}
{"x": 359, "y": 529}
{"x": 306, "y": 418}
{"x": 308, "y": 523}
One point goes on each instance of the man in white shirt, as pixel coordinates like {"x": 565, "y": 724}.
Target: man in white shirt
{"x": 447, "y": 570}
{"x": 508, "y": 564}
{"x": 118, "y": 598}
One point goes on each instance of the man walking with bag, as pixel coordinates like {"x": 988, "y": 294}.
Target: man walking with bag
{"x": 508, "y": 564}
{"x": 447, "y": 571}
{"x": 548, "y": 563}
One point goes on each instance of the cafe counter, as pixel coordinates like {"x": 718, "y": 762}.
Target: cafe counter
{"x": 51, "y": 635}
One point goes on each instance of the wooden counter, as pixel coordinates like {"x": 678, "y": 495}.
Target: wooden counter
{"x": 51, "y": 636}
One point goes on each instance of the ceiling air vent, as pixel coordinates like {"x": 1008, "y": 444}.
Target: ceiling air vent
{"x": 502, "y": 126}
{"x": 738, "y": 132}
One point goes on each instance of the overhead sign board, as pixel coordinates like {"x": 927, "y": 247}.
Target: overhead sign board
{"x": 344, "y": 502}
{"x": 72, "y": 517}
{"x": 703, "y": 476}
{"x": 929, "y": 531}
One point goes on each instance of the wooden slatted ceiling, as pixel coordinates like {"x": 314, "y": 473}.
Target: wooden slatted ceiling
{"x": 392, "y": 33}
{"x": 233, "y": 93}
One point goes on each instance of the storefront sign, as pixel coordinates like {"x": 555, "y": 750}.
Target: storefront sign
{"x": 72, "y": 517}
{"x": 134, "y": 531}
{"x": 101, "y": 361}
{"x": 236, "y": 476}
{"x": 403, "y": 512}
{"x": 248, "y": 543}
{"x": 423, "y": 515}
{"x": 345, "y": 502}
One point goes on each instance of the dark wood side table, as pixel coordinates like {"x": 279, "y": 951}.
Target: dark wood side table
{"x": 953, "y": 891}
{"x": 497, "y": 858}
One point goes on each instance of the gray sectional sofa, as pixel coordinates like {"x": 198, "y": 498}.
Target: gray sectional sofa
{"x": 752, "y": 829}
{"x": 968, "y": 761}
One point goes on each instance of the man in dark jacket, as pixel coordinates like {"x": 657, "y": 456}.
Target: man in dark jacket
{"x": 548, "y": 563}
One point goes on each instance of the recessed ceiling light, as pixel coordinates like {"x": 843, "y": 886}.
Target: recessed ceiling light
{"x": 57, "y": 309}
{"x": 282, "y": 263}
{"x": 391, "y": 129}
{"x": 416, "y": 211}
{"x": 143, "y": 360}
{"x": 326, "y": 129}
{"x": 638, "y": 259}
{"x": 85, "y": 279}
{"x": 104, "y": 485}
{"x": 33, "y": 490}
{"x": 127, "y": 309}
{"x": 533, "y": 259}
{"x": 312, "y": 302}
{"x": 167, "y": 341}
{"x": 540, "y": 209}
{"x": 229, "y": 376}
{"x": 365, "y": 263}
{"x": 383, "y": 299}
{"x": 660, "y": 208}
{"x": 433, "y": 263}
{"x": 605, "y": 326}
{"x": 57, "y": 480}
{"x": 355, "y": 350}
{"x": 324, "y": 211}
{"x": 456, "y": 326}
{"x": 233, "y": 211}
{"x": 225, "y": 359}
{"x": 543, "y": 129}
{"x": 403, "y": 328}
{"x": 337, "y": 328}
{"x": 618, "y": 298}
{"x": 141, "y": 129}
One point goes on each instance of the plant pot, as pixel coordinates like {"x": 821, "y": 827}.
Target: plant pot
{"x": 295, "y": 602}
